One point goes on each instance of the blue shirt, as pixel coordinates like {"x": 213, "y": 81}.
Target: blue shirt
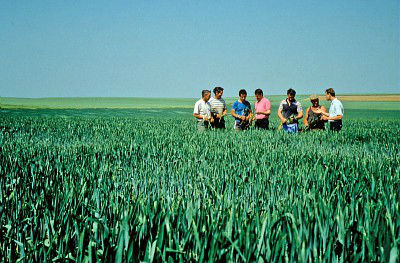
{"x": 241, "y": 109}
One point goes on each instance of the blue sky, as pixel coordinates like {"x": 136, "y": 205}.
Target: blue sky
{"x": 178, "y": 48}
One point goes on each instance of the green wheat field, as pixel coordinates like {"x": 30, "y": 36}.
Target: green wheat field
{"x": 132, "y": 180}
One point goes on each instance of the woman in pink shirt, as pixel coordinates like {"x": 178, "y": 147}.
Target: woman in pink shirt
{"x": 262, "y": 109}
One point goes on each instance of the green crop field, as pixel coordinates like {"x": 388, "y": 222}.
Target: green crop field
{"x": 130, "y": 185}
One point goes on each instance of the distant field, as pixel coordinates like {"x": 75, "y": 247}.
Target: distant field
{"x": 370, "y": 98}
{"x": 391, "y": 102}
{"x": 93, "y": 102}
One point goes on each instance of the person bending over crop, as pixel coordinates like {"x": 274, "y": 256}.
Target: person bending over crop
{"x": 289, "y": 112}
{"x": 336, "y": 111}
{"x": 218, "y": 109}
{"x": 202, "y": 111}
{"x": 241, "y": 111}
{"x": 313, "y": 119}
{"x": 262, "y": 110}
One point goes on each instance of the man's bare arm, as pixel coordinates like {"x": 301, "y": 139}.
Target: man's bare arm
{"x": 199, "y": 116}
{"x": 283, "y": 120}
{"x": 336, "y": 118}
{"x": 233, "y": 113}
{"x": 299, "y": 115}
{"x": 306, "y": 118}
{"x": 267, "y": 113}
{"x": 224, "y": 113}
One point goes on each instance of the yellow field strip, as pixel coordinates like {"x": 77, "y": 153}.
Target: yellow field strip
{"x": 382, "y": 98}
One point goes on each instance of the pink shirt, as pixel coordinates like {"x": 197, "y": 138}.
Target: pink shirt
{"x": 262, "y": 105}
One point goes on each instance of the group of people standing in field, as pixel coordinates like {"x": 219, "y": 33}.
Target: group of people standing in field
{"x": 210, "y": 112}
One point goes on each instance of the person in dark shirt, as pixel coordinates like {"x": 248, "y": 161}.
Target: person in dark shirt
{"x": 313, "y": 118}
{"x": 289, "y": 112}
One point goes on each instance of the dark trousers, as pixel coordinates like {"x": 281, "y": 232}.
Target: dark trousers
{"x": 262, "y": 124}
{"x": 336, "y": 125}
{"x": 218, "y": 123}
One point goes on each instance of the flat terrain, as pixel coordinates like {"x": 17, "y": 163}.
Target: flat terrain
{"x": 391, "y": 102}
{"x": 131, "y": 185}
{"x": 370, "y": 97}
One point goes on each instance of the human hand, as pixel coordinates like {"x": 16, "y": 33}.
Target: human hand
{"x": 324, "y": 118}
{"x": 212, "y": 120}
{"x": 205, "y": 118}
{"x": 243, "y": 118}
{"x": 218, "y": 116}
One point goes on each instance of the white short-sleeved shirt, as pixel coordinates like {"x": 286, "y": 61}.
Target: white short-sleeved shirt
{"x": 203, "y": 108}
{"x": 335, "y": 109}
{"x": 217, "y": 105}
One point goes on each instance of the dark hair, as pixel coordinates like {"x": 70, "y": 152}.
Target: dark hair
{"x": 291, "y": 92}
{"x": 204, "y": 92}
{"x": 258, "y": 92}
{"x": 217, "y": 90}
{"x": 330, "y": 91}
{"x": 242, "y": 91}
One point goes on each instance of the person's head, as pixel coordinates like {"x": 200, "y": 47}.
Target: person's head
{"x": 259, "y": 94}
{"x": 242, "y": 94}
{"x": 218, "y": 91}
{"x": 205, "y": 94}
{"x": 291, "y": 94}
{"x": 330, "y": 94}
{"x": 314, "y": 100}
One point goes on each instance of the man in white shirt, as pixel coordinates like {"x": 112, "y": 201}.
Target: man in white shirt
{"x": 202, "y": 111}
{"x": 218, "y": 109}
{"x": 336, "y": 111}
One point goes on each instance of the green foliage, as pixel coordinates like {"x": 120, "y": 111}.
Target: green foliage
{"x": 139, "y": 188}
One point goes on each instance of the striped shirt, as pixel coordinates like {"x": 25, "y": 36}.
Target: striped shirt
{"x": 217, "y": 105}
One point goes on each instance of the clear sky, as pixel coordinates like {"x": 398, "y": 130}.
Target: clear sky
{"x": 177, "y": 48}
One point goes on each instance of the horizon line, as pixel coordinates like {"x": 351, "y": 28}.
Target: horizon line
{"x": 141, "y": 97}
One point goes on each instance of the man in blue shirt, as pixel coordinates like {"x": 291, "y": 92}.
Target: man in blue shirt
{"x": 241, "y": 111}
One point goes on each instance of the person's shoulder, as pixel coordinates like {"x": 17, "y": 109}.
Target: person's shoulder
{"x": 246, "y": 102}
{"x": 283, "y": 101}
{"x": 235, "y": 103}
{"x": 336, "y": 101}
{"x": 266, "y": 102}
{"x": 219, "y": 101}
{"x": 198, "y": 102}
